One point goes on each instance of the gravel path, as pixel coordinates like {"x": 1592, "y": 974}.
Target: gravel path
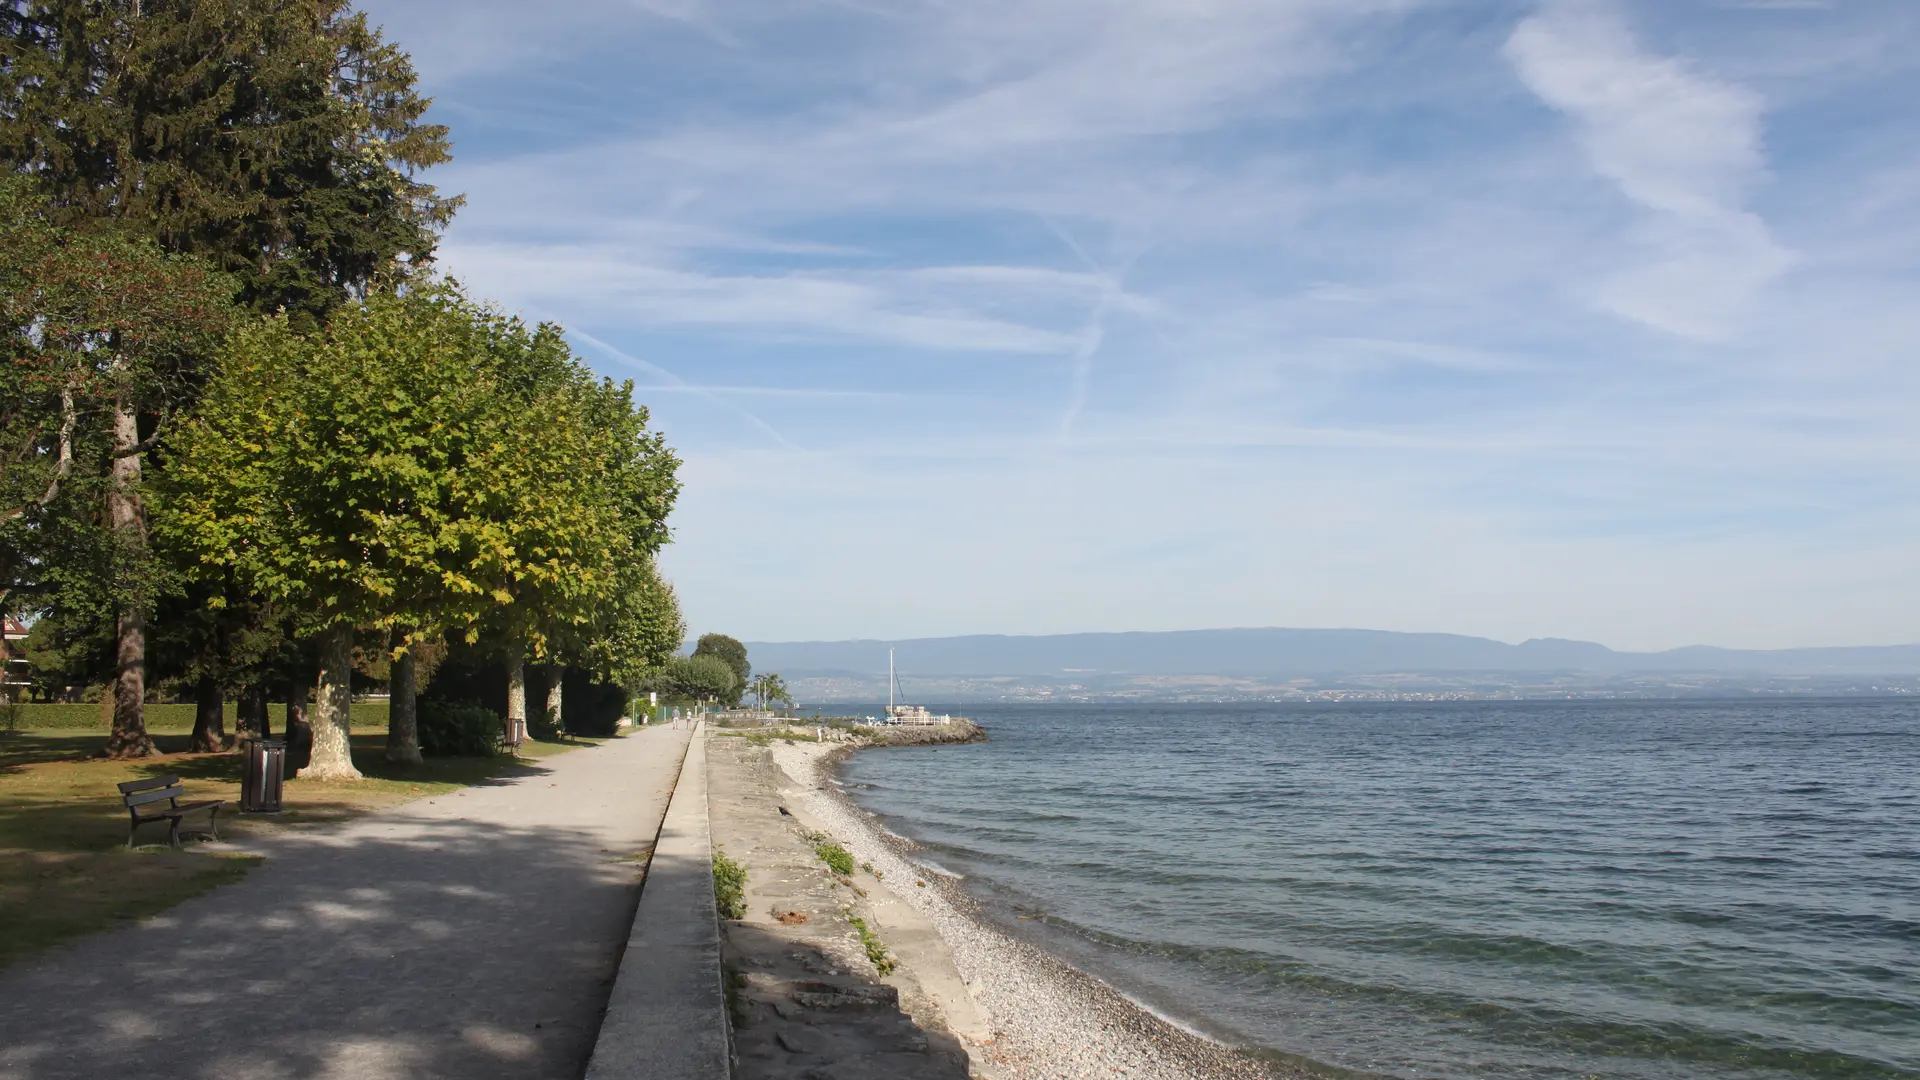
{"x": 1052, "y": 1021}
{"x": 469, "y": 936}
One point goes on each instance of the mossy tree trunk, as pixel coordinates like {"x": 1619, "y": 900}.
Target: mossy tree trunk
{"x": 332, "y": 756}
{"x": 128, "y": 738}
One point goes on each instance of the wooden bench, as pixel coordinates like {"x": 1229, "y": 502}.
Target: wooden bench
{"x": 141, "y": 797}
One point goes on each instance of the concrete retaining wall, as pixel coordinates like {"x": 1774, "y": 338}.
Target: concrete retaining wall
{"x": 667, "y": 1017}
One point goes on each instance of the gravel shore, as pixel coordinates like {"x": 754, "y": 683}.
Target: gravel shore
{"x": 1051, "y": 1020}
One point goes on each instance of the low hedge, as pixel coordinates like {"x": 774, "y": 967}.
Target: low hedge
{"x": 41, "y": 716}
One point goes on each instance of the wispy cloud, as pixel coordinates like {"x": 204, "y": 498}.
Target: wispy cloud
{"x": 1681, "y": 144}
{"x": 1567, "y": 317}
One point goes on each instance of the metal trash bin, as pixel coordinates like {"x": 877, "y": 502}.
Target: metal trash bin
{"x": 266, "y": 771}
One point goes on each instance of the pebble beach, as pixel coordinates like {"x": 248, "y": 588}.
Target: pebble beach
{"x": 1051, "y": 1021}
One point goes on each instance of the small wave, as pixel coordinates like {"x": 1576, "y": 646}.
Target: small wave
{"x": 1526, "y": 1025}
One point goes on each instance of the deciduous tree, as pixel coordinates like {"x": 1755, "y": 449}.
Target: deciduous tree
{"x": 101, "y": 330}
{"x": 277, "y": 139}
{"x": 353, "y": 475}
{"x": 730, "y": 652}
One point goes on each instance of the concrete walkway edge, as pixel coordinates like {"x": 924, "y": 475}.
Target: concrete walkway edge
{"x": 667, "y": 1016}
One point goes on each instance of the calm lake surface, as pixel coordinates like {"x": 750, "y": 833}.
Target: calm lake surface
{"x": 1661, "y": 890}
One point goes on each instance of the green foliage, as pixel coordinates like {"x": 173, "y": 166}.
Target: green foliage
{"x": 344, "y": 474}
{"x": 459, "y": 729}
{"x": 277, "y": 138}
{"x": 93, "y": 321}
{"x": 275, "y": 141}
{"x": 838, "y": 859}
{"x": 729, "y": 886}
{"x": 428, "y": 463}
{"x": 730, "y": 652}
{"x": 544, "y": 726}
{"x": 769, "y": 689}
{"x": 694, "y": 678}
{"x": 378, "y": 452}
{"x": 883, "y": 961}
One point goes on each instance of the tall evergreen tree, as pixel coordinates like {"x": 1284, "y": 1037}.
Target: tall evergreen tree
{"x": 277, "y": 139}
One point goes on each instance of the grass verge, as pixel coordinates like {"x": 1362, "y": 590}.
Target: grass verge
{"x": 838, "y": 859}
{"x": 883, "y": 961}
{"x": 56, "y": 896}
{"x": 63, "y": 868}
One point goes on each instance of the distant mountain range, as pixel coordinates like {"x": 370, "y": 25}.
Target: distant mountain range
{"x": 1277, "y": 653}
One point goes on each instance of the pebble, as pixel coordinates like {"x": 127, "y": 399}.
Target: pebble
{"x": 1051, "y": 1020}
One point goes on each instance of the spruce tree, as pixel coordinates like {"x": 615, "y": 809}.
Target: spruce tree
{"x": 276, "y": 139}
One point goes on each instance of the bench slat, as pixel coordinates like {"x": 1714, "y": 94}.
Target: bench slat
{"x": 145, "y": 797}
{"x": 184, "y": 810}
{"x": 132, "y": 786}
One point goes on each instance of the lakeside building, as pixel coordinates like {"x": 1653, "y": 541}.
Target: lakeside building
{"x": 914, "y": 716}
{"x": 16, "y": 674}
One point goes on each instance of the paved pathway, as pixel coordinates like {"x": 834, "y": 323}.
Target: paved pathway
{"x": 467, "y": 936}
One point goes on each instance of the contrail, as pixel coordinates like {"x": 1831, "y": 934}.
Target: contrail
{"x": 679, "y": 383}
{"x": 1094, "y": 332}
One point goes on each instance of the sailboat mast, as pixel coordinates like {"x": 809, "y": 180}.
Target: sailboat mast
{"x": 892, "y": 682}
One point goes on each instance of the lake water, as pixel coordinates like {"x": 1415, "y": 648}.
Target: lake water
{"x": 1510, "y": 889}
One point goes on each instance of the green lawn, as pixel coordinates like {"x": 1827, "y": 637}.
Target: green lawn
{"x": 63, "y": 868}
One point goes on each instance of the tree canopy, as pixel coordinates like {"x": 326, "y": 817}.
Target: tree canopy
{"x": 421, "y": 465}
{"x": 730, "y": 652}
{"x": 696, "y": 678}
{"x": 277, "y": 141}
{"x": 237, "y": 402}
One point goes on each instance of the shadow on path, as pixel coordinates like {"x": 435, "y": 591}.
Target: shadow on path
{"x": 438, "y": 942}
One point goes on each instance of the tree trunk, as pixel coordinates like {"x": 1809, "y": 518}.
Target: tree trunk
{"x": 516, "y": 698}
{"x": 403, "y": 729}
{"x": 299, "y": 732}
{"x": 554, "y": 690}
{"x": 332, "y": 757}
{"x": 209, "y": 721}
{"x": 128, "y": 738}
{"x": 250, "y": 713}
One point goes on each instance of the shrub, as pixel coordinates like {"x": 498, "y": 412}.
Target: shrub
{"x": 838, "y": 859}
{"x": 729, "y": 886}
{"x": 544, "y": 726}
{"x": 459, "y": 729}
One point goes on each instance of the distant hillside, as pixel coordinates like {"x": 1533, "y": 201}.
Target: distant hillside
{"x": 1275, "y": 653}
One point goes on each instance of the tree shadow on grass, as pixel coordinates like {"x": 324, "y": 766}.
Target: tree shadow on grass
{"x": 418, "y": 948}
{"x": 21, "y": 748}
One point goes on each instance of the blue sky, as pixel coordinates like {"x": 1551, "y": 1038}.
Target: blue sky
{"x": 1581, "y": 318}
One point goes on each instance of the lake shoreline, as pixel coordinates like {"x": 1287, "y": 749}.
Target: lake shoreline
{"x": 1050, "y": 1018}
